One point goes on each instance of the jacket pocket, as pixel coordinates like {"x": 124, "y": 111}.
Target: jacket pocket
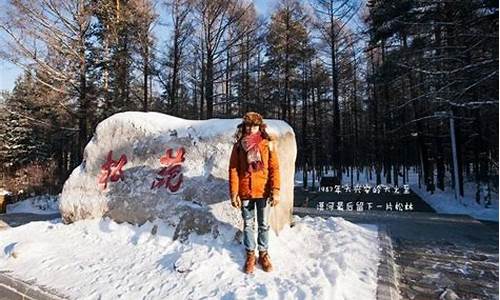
{"x": 244, "y": 186}
{"x": 260, "y": 182}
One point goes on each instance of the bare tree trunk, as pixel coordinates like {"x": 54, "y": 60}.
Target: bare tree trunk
{"x": 305, "y": 134}
{"x": 145, "y": 76}
{"x": 260, "y": 103}
{"x": 175, "y": 79}
{"x": 228, "y": 83}
{"x": 83, "y": 99}
{"x": 209, "y": 86}
{"x": 336, "y": 154}
{"x": 202, "y": 87}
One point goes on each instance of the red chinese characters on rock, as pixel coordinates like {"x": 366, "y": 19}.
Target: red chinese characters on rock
{"x": 170, "y": 175}
{"x": 111, "y": 170}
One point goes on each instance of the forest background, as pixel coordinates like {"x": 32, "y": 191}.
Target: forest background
{"x": 369, "y": 87}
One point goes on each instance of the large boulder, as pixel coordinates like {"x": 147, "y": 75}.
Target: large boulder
{"x": 141, "y": 166}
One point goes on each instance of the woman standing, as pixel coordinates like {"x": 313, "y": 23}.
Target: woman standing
{"x": 254, "y": 184}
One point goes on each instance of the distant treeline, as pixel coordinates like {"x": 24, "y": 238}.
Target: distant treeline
{"x": 365, "y": 84}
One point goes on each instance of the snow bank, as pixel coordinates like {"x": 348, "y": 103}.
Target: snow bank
{"x": 100, "y": 259}
{"x": 444, "y": 202}
{"x": 44, "y": 204}
{"x": 132, "y": 183}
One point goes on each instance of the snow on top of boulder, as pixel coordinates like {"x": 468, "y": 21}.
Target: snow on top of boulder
{"x": 158, "y": 122}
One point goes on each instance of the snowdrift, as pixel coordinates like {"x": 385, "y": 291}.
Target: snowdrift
{"x": 318, "y": 258}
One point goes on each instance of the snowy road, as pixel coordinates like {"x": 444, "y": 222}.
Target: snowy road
{"x": 436, "y": 253}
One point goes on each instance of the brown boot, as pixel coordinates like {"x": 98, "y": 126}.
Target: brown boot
{"x": 265, "y": 261}
{"x": 250, "y": 262}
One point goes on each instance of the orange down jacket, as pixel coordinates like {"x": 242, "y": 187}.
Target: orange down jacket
{"x": 258, "y": 184}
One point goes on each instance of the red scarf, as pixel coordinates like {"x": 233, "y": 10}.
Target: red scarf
{"x": 250, "y": 144}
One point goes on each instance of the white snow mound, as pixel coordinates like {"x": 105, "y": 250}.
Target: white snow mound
{"x": 43, "y": 204}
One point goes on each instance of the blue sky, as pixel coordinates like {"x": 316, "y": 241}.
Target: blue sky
{"x": 9, "y": 72}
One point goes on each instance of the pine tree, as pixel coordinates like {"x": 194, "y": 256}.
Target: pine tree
{"x": 21, "y": 140}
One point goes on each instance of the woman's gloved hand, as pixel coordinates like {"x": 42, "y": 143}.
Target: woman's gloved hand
{"x": 236, "y": 201}
{"x": 274, "y": 200}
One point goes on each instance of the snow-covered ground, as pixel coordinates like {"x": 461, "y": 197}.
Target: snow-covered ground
{"x": 100, "y": 259}
{"x": 444, "y": 202}
{"x": 44, "y": 204}
{"x": 441, "y": 201}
